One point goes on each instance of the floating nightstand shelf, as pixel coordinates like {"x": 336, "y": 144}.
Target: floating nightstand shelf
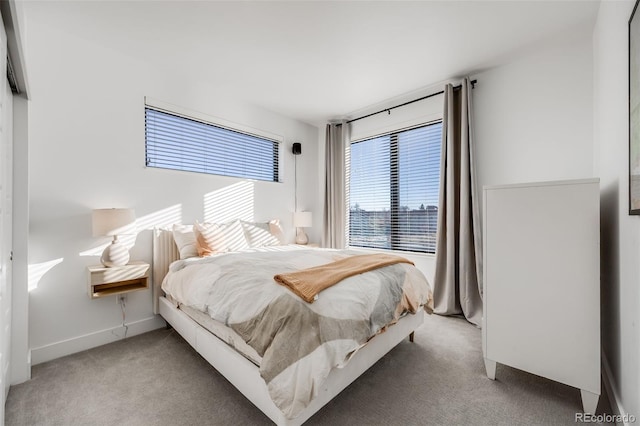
{"x": 118, "y": 279}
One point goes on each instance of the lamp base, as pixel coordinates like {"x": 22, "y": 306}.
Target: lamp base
{"x": 301, "y": 237}
{"x": 115, "y": 254}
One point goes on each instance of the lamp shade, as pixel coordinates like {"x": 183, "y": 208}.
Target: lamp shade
{"x": 113, "y": 222}
{"x": 302, "y": 219}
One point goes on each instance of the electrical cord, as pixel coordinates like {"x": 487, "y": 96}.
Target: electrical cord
{"x": 124, "y": 315}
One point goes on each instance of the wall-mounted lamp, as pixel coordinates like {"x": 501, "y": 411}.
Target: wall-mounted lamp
{"x": 296, "y": 148}
{"x": 300, "y": 219}
{"x": 114, "y": 222}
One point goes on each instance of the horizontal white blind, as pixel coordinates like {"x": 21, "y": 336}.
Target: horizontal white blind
{"x": 179, "y": 143}
{"x": 394, "y": 188}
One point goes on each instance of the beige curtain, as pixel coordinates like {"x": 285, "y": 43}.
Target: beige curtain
{"x": 337, "y": 139}
{"x": 458, "y": 277}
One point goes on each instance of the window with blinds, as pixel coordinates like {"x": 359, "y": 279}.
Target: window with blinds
{"x": 394, "y": 189}
{"x": 181, "y": 143}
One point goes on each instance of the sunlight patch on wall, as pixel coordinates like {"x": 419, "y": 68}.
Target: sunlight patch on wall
{"x": 37, "y": 270}
{"x": 229, "y": 203}
{"x": 127, "y": 240}
{"x": 164, "y": 218}
{"x": 97, "y": 250}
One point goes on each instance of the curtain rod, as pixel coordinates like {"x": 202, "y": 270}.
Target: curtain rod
{"x": 473, "y": 83}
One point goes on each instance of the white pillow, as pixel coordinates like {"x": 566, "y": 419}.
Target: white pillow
{"x": 185, "y": 240}
{"x": 258, "y": 234}
{"x": 276, "y": 230}
{"x": 212, "y": 238}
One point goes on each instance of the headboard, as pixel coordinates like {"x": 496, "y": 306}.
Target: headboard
{"x": 165, "y": 251}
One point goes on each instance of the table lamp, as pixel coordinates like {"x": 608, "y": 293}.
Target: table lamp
{"x": 114, "y": 222}
{"x": 302, "y": 220}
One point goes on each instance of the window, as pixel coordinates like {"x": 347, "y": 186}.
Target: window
{"x": 180, "y": 143}
{"x": 394, "y": 189}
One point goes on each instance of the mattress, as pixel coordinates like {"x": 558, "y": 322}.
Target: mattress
{"x": 222, "y": 332}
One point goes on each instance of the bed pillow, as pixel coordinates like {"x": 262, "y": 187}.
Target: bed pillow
{"x": 258, "y": 234}
{"x": 212, "y": 238}
{"x": 276, "y": 230}
{"x": 185, "y": 240}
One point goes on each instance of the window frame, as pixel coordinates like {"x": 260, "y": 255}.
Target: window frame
{"x": 192, "y": 115}
{"x": 394, "y": 193}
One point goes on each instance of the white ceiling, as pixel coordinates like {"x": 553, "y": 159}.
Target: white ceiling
{"x": 316, "y": 61}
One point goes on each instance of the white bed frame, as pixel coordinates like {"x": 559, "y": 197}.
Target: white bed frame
{"x": 242, "y": 373}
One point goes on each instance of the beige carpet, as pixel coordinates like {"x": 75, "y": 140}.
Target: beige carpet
{"x": 157, "y": 379}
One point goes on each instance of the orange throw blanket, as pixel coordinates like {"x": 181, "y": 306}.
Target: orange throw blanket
{"x": 307, "y": 283}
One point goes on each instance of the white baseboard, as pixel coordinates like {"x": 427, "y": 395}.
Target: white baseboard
{"x": 92, "y": 340}
{"x": 609, "y": 384}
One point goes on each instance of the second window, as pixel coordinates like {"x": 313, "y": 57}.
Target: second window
{"x": 394, "y": 188}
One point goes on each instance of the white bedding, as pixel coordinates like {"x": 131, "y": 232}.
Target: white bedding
{"x": 223, "y": 332}
{"x": 299, "y": 342}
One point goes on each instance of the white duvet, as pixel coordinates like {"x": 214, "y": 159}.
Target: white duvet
{"x": 299, "y": 342}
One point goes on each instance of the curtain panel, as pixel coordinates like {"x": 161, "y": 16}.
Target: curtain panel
{"x": 458, "y": 275}
{"x": 335, "y": 213}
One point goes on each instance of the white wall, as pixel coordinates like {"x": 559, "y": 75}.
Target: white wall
{"x": 414, "y": 114}
{"x": 620, "y": 277}
{"x": 86, "y": 134}
{"x": 533, "y": 116}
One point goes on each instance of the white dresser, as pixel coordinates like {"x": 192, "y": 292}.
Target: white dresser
{"x": 542, "y": 282}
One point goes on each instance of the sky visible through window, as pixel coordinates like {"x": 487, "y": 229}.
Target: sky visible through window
{"x": 419, "y": 170}
{"x": 394, "y": 189}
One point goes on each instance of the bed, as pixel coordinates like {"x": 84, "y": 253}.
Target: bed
{"x": 287, "y": 387}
